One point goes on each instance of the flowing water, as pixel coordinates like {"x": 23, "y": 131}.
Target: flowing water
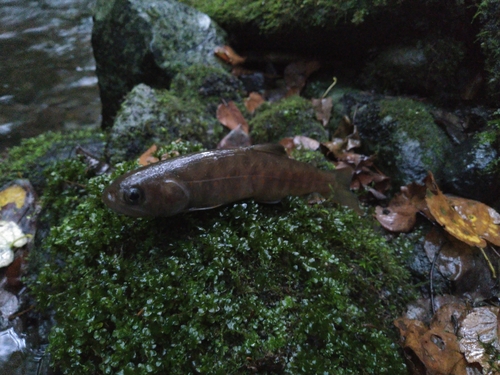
{"x": 47, "y": 82}
{"x": 47, "y": 70}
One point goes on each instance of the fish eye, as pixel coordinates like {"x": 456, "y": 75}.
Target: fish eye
{"x": 133, "y": 195}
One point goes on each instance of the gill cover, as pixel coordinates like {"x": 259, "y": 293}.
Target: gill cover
{"x": 173, "y": 198}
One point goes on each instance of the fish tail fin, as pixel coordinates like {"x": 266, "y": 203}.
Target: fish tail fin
{"x": 340, "y": 190}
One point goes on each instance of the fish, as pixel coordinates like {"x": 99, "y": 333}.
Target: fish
{"x": 209, "y": 179}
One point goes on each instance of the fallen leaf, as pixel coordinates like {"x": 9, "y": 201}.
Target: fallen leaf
{"x": 13, "y": 194}
{"x": 234, "y": 139}
{"x": 401, "y": 213}
{"x": 399, "y": 216}
{"x": 228, "y": 55}
{"x": 253, "y": 102}
{"x": 296, "y": 75}
{"x": 484, "y": 219}
{"x": 323, "y": 109}
{"x": 230, "y": 116}
{"x": 444, "y": 213}
{"x": 479, "y": 338}
{"x": 436, "y": 347}
{"x": 147, "y": 157}
{"x": 303, "y": 142}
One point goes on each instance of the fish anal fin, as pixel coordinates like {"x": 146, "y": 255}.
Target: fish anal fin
{"x": 271, "y": 148}
{"x": 203, "y": 208}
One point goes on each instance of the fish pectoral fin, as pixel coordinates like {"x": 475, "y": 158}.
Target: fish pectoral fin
{"x": 203, "y": 208}
{"x": 270, "y": 148}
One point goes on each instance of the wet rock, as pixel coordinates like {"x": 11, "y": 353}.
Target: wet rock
{"x": 473, "y": 175}
{"x": 150, "y": 116}
{"x": 147, "y": 41}
{"x": 402, "y": 133}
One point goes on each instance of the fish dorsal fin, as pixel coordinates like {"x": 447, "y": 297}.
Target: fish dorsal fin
{"x": 271, "y": 148}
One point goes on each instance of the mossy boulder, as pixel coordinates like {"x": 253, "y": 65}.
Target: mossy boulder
{"x": 403, "y": 135}
{"x": 207, "y": 84}
{"x": 150, "y": 116}
{"x": 286, "y": 288}
{"x": 147, "y": 41}
{"x": 278, "y": 16}
{"x": 286, "y": 118}
{"x": 428, "y": 67}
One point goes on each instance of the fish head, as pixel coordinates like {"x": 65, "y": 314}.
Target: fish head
{"x": 138, "y": 194}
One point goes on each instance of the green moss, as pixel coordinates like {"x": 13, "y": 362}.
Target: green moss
{"x": 272, "y": 16}
{"x": 29, "y": 159}
{"x": 415, "y": 123}
{"x": 206, "y": 83}
{"x": 286, "y": 118}
{"x": 489, "y": 15}
{"x": 274, "y": 288}
{"x": 150, "y": 116}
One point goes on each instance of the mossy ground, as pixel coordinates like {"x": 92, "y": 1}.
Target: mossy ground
{"x": 284, "y": 288}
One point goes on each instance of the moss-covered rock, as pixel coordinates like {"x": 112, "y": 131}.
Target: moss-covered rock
{"x": 30, "y": 159}
{"x": 277, "y": 16}
{"x": 208, "y": 84}
{"x": 286, "y": 118}
{"x": 147, "y": 41}
{"x": 429, "y": 67}
{"x": 403, "y": 135}
{"x": 283, "y": 288}
{"x": 150, "y": 116}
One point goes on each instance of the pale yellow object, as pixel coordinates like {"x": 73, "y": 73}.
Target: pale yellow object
{"x": 13, "y": 194}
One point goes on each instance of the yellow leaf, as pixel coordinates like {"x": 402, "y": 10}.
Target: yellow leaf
{"x": 13, "y": 194}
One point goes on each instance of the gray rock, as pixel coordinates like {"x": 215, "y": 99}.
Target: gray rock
{"x": 150, "y": 116}
{"x": 147, "y": 41}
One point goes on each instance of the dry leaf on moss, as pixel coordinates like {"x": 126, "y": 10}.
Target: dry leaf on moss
{"x": 253, "y": 102}
{"x": 230, "y": 116}
{"x": 147, "y": 157}
{"x": 228, "y": 55}
{"x": 323, "y": 109}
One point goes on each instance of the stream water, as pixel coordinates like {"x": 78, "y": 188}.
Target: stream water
{"x": 47, "y": 70}
{"x": 47, "y": 82}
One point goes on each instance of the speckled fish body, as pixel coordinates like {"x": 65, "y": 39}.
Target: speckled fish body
{"x": 209, "y": 179}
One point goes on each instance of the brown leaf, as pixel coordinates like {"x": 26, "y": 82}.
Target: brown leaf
{"x": 147, "y": 157}
{"x": 253, "y": 102}
{"x": 436, "y": 348}
{"x": 228, "y": 55}
{"x": 323, "y": 109}
{"x": 399, "y": 216}
{"x": 234, "y": 139}
{"x": 230, "y": 116}
{"x": 401, "y": 213}
{"x": 296, "y": 75}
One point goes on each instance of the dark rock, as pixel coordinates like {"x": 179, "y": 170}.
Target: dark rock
{"x": 402, "y": 133}
{"x": 472, "y": 173}
{"x": 147, "y": 41}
